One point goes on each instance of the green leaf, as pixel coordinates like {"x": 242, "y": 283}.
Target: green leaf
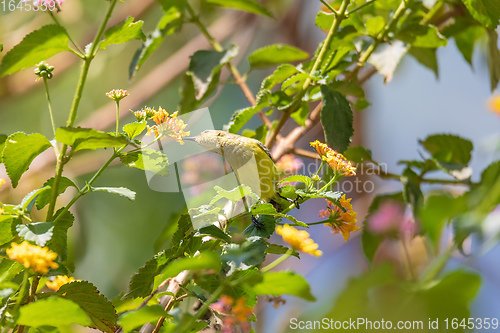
{"x": 358, "y": 154}
{"x": 284, "y": 283}
{"x": 147, "y": 159}
{"x": 240, "y": 256}
{"x": 43, "y": 197}
{"x": 202, "y": 76}
{"x": 59, "y": 241}
{"x": 203, "y": 261}
{"x": 487, "y": 12}
{"x": 240, "y": 118}
{"x": 268, "y": 209}
{"x": 87, "y": 138}
{"x": 141, "y": 283}
{"x": 8, "y": 270}
{"x": 134, "y": 129}
{"x": 3, "y": 138}
{"x": 212, "y": 230}
{"x": 264, "y": 227}
{"x": 280, "y": 249}
{"x": 374, "y": 25}
{"x": 437, "y": 210}
{"x": 451, "y": 151}
{"x": 98, "y": 308}
{"x": 6, "y": 234}
{"x": 493, "y": 57}
{"x": 301, "y": 114}
{"x": 123, "y": 32}
{"x": 38, "y": 46}
{"x": 29, "y": 199}
{"x": 336, "y": 119}
{"x": 282, "y": 73}
{"x": 432, "y": 38}
{"x": 297, "y": 178}
{"x": 132, "y": 319}
{"x": 330, "y": 195}
{"x": 276, "y": 54}
{"x": 233, "y": 195}
{"x": 20, "y": 150}
{"x": 171, "y": 21}
{"x": 426, "y": 57}
{"x": 121, "y": 191}
{"x": 38, "y": 232}
{"x": 324, "y": 20}
{"x": 250, "y": 6}
{"x": 466, "y": 40}
{"x": 52, "y": 311}
{"x": 411, "y": 189}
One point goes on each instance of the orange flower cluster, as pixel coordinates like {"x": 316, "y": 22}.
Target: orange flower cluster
{"x": 298, "y": 239}
{"x": 337, "y": 161}
{"x": 340, "y": 221}
{"x": 236, "y": 314}
{"x": 168, "y": 125}
{"x": 59, "y": 281}
{"x": 33, "y": 256}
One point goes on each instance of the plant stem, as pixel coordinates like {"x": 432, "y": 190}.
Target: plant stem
{"x": 339, "y": 17}
{"x": 22, "y": 290}
{"x": 61, "y": 161}
{"x": 117, "y": 117}
{"x": 215, "y": 295}
{"x": 50, "y": 105}
{"x": 278, "y": 261}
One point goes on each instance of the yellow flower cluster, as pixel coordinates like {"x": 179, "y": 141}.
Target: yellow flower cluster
{"x": 117, "y": 94}
{"x": 337, "y": 161}
{"x": 59, "y": 281}
{"x": 298, "y": 239}
{"x": 494, "y": 104}
{"x": 168, "y": 125}
{"x": 340, "y": 221}
{"x": 33, "y": 256}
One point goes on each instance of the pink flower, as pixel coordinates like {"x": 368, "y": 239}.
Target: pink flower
{"x": 389, "y": 219}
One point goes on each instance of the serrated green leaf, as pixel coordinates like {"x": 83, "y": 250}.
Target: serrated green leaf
{"x": 87, "y": 138}
{"x": 121, "y": 191}
{"x": 212, "y": 230}
{"x": 432, "y": 38}
{"x": 8, "y": 270}
{"x": 282, "y": 73}
{"x": 43, "y": 197}
{"x": 147, "y": 159}
{"x": 20, "y": 150}
{"x": 336, "y": 119}
{"x": 268, "y": 209}
{"x": 29, "y": 199}
{"x": 203, "y": 261}
{"x": 134, "y": 129}
{"x": 330, "y": 195}
{"x": 487, "y": 12}
{"x": 59, "y": 241}
{"x": 250, "y": 6}
{"x": 38, "y": 46}
{"x": 98, "y": 308}
{"x": 297, "y": 178}
{"x": 263, "y": 227}
{"x": 133, "y": 319}
{"x": 52, "y": 311}
{"x": 240, "y": 118}
{"x": 451, "y": 151}
{"x": 493, "y": 57}
{"x": 240, "y": 256}
{"x": 466, "y": 41}
{"x": 301, "y": 114}
{"x": 233, "y": 195}
{"x": 6, "y": 234}
{"x": 38, "y": 232}
{"x": 202, "y": 76}
{"x": 123, "y": 32}
{"x": 276, "y": 54}
{"x": 284, "y": 283}
{"x": 141, "y": 283}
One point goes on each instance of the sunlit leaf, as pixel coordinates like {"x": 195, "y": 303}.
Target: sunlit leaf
{"x": 284, "y": 283}
{"x": 123, "y": 32}
{"x": 52, "y": 311}
{"x": 276, "y": 54}
{"x": 250, "y": 6}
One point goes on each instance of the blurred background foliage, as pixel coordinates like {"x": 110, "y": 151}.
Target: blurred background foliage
{"x": 112, "y": 237}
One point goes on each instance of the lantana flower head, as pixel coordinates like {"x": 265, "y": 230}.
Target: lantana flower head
{"x": 336, "y": 160}
{"x": 298, "y": 239}
{"x": 168, "y": 125}
{"x": 40, "y": 259}
{"x": 236, "y": 314}
{"x": 343, "y": 222}
{"x": 117, "y": 94}
{"x": 59, "y": 281}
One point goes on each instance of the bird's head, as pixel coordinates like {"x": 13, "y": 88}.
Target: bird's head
{"x": 209, "y": 139}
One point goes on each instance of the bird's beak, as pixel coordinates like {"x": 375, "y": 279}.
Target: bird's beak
{"x": 189, "y": 138}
